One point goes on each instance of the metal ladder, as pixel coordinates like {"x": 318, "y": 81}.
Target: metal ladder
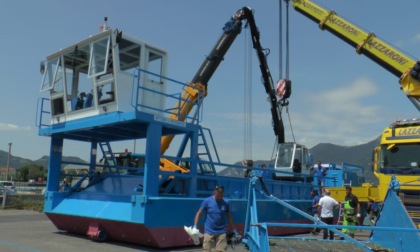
{"x": 340, "y": 220}
{"x": 203, "y": 144}
{"x": 108, "y": 157}
{"x": 204, "y": 151}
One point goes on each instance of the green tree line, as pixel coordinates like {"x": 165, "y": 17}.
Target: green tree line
{"x": 31, "y": 171}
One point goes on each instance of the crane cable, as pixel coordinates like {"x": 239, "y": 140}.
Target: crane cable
{"x": 281, "y": 62}
{"x": 287, "y": 64}
{"x": 287, "y": 39}
{"x": 247, "y": 99}
{"x": 275, "y": 147}
{"x": 287, "y": 68}
{"x": 280, "y": 42}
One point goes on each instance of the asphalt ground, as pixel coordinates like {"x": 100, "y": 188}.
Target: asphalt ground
{"x": 29, "y": 231}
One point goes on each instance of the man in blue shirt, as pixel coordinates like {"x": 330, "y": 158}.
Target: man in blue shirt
{"x": 264, "y": 173}
{"x": 314, "y": 209}
{"x": 320, "y": 172}
{"x": 394, "y": 184}
{"x": 216, "y": 208}
{"x": 373, "y": 207}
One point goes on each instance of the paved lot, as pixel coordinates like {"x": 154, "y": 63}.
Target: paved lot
{"x": 28, "y": 231}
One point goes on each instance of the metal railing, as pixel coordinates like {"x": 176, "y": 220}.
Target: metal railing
{"x": 176, "y": 98}
{"x": 43, "y": 111}
{"x": 257, "y": 236}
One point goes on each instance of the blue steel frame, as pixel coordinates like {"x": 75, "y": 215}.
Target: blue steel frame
{"x": 139, "y": 197}
{"x": 399, "y": 235}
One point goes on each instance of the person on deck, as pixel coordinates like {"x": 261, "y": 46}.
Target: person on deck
{"x": 249, "y": 164}
{"x": 264, "y": 173}
{"x": 320, "y": 172}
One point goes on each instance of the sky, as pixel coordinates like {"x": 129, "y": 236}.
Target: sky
{"x": 338, "y": 96}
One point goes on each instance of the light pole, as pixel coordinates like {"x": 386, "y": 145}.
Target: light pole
{"x": 8, "y": 162}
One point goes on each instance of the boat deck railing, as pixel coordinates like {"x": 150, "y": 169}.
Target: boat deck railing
{"x": 175, "y": 98}
{"x": 43, "y": 117}
{"x": 174, "y": 184}
{"x": 172, "y": 97}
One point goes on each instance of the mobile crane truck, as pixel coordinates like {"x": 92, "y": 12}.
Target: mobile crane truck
{"x": 400, "y": 142}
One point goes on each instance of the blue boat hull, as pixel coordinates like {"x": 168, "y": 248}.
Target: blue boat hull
{"x": 113, "y": 208}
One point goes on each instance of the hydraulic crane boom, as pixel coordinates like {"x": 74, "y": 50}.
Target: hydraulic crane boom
{"x": 197, "y": 88}
{"x": 267, "y": 79}
{"x": 389, "y": 57}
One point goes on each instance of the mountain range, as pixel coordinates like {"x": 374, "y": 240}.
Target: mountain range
{"x": 17, "y": 162}
{"x": 325, "y": 152}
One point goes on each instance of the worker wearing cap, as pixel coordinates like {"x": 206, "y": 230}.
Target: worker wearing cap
{"x": 351, "y": 211}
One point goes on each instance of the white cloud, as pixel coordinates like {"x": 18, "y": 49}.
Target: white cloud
{"x": 346, "y": 115}
{"x": 416, "y": 38}
{"x": 14, "y": 127}
{"x": 341, "y": 116}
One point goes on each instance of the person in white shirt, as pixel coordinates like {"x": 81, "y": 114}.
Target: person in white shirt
{"x": 326, "y": 208}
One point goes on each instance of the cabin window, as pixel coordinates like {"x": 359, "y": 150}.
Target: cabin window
{"x": 57, "y": 106}
{"x": 78, "y": 86}
{"x": 285, "y": 155}
{"x": 401, "y": 157}
{"x": 53, "y": 81}
{"x": 155, "y": 66}
{"x": 50, "y": 73}
{"x": 58, "y": 86}
{"x": 129, "y": 55}
{"x": 106, "y": 93}
{"x": 99, "y": 62}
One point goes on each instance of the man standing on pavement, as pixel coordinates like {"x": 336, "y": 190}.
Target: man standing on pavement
{"x": 351, "y": 211}
{"x": 216, "y": 209}
{"x": 314, "y": 209}
{"x": 326, "y": 208}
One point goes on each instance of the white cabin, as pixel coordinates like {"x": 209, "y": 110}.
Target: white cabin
{"x": 98, "y": 75}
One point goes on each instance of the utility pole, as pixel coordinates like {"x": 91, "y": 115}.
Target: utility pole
{"x": 8, "y": 162}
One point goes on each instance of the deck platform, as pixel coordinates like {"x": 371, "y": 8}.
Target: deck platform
{"x": 315, "y": 243}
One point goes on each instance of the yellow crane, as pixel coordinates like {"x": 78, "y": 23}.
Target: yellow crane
{"x": 366, "y": 43}
{"x": 400, "y": 142}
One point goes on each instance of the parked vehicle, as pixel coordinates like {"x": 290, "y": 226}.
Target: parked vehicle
{"x": 9, "y": 191}
{"x": 7, "y": 184}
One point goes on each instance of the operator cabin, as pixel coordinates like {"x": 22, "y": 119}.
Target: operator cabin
{"x": 101, "y": 75}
